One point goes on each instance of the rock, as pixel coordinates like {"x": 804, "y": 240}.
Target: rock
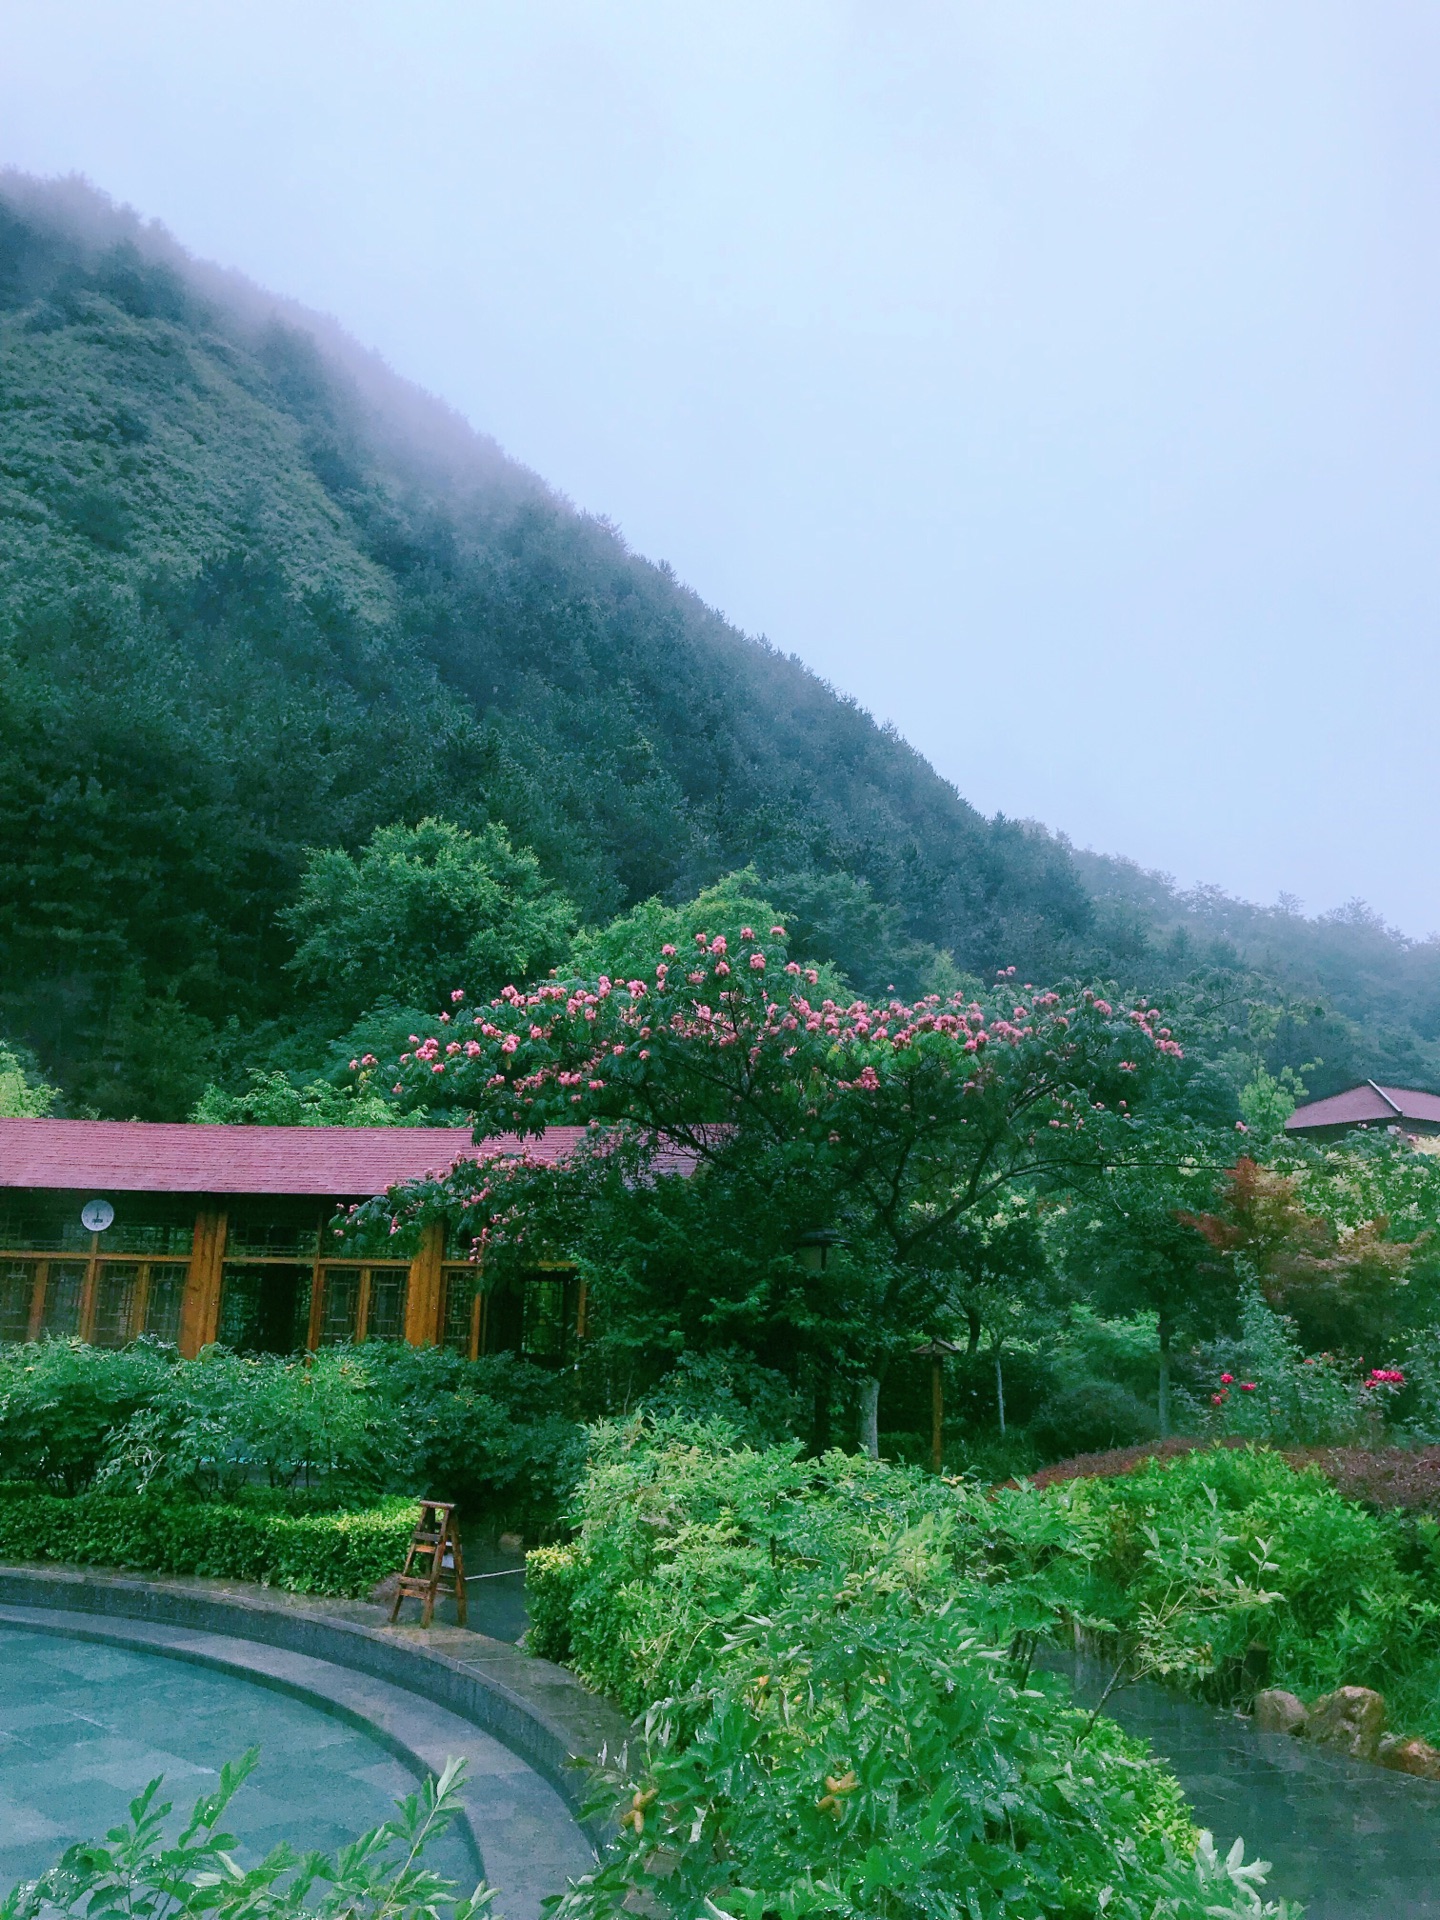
{"x": 1410, "y": 1756}
{"x": 1351, "y": 1720}
{"x": 1276, "y": 1711}
{"x": 512, "y": 1543}
{"x": 384, "y": 1594}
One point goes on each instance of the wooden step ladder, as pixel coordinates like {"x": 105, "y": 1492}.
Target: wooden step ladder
{"x": 438, "y": 1536}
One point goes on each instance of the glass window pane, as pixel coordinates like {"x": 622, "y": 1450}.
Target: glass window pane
{"x": 459, "y": 1309}
{"x": 163, "y": 1301}
{"x": 146, "y": 1223}
{"x": 276, "y": 1228}
{"x": 386, "y": 1317}
{"x": 43, "y": 1222}
{"x": 545, "y": 1329}
{"x": 17, "y": 1289}
{"x": 339, "y": 1306}
{"x": 63, "y": 1284}
{"x": 264, "y": 1309}
{"x": 115, "y": 1291}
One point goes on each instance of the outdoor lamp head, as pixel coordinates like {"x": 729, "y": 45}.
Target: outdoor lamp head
{"x": 815, "y": 1247}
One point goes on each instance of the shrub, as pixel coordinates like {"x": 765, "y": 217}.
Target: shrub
{"x": 492, "y": 1433}
{"x": 61, "y": 1400}
{"x": 758, "y": 1404}
{"x": 1345, "y": 1609}
{"x": 1283, "y": 1396}
{"x": 831, "y": 1727}
{"x": 221, "y": 1422}
{"x": 343, "y": 1425}
{"x": 1092, "y": 1415}
{"x": 343, "y": 1553}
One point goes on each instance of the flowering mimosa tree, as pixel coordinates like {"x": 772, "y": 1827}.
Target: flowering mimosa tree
{"x": 737, "y": 1121}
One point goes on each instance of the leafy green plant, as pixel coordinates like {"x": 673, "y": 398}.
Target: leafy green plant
{"x": 225, "y": 1420}
{"x": 144, "y": 1872}
{"x": 1090, "y": 1416}
{"x": 1267, "y": 1388}
{"x": 61, "y": 1401}
{"x": 345, "y": 1552}
{"x": 831, "y": 1664}
{"x": 342, "y": 1426}
{"x": 1325, "y": 1587}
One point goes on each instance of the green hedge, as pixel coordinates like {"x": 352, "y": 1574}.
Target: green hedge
{"x": 343, "y": 1553}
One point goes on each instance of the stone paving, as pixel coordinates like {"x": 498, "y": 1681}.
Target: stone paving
{"x": 343, "y": 1702}
{"x": 83, "y": 1727}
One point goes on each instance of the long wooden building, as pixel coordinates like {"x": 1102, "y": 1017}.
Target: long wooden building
{"x": 111, "y": 1229}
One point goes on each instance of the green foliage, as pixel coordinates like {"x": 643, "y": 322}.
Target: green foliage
{"x": 758, "y": 1404}
{"x": 1267, "y": 1100}
{"x": 61, "y": 1401}
{"x": 340, "y": 1426}
{"x": 23, "y": 1094}
{"x": 275, "y": 1100}
{"x": 344, "y": 1552}
{"x": 1089, "y": 1417}
{"x": 831, "y": 1726}
{"x": 145, "y": 1868}
{"x": 224, "y": 1422}
{"x": 422, "y": 910}
{"x": 1346, "y": 1610}
{"x": 493, "y": 1432}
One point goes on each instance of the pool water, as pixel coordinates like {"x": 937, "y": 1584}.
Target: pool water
{"x": 84, "y": 1727}
{"x": 1349, "y": 1840}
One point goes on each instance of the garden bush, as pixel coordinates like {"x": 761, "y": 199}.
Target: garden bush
{"x": 342, "y": 1553}
{"x": 1089, "y": 1416}
{"x": 60, "y": 1402}
{"x": 343, "y": 1425}
{"x": 1354, "y": 1595}
{"x": 838, "y": 1716}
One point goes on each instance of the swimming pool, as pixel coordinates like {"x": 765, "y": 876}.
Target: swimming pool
{"x": 84, "y": 1727}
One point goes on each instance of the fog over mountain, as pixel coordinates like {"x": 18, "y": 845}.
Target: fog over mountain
{"x": 260, "y": 594}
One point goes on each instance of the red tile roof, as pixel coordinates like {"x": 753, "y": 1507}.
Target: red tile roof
{"x": 1383, "y": 1106}
{"x": 138, "y": 1156}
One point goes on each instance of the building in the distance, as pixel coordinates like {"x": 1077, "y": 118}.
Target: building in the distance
{"x": 1383, "y": 1109}
{"x": 110, "y": 1229}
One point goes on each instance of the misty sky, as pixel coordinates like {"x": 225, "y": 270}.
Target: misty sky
{"x": 1060, "y": 379}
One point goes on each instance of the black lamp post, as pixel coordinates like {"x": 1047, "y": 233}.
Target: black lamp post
{"x": 816, "y": 1247}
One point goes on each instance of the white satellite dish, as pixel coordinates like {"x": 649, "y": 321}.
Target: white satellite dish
{"x": 96, "y": 1215}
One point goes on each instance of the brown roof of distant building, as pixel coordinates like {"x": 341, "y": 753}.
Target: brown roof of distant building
{"x": 1367, "y": 1104}
{"x": 138, "y": 1156}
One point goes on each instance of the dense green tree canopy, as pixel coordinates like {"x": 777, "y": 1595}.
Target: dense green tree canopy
{"x": 421, "y": 911}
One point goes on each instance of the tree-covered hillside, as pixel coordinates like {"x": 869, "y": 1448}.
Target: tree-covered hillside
{"x": 258, "y": 595}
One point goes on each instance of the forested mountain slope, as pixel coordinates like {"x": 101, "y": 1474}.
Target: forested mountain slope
{"x": 257, "y": 594}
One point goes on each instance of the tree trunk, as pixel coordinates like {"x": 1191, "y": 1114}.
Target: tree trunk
{"x": 972, "y": 1322}
{"x": 1000, "y": 1392}
{"x": 870, "y": 1415}
{"x": 1164, "y": 1395}
{"x": 937, "y": 1413}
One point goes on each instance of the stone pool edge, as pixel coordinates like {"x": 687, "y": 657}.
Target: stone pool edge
{"x": 540, "y": 1711}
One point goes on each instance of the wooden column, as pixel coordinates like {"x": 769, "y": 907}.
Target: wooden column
{"x": 200, "y": 1308}
{"x": 424, "y": 1299}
